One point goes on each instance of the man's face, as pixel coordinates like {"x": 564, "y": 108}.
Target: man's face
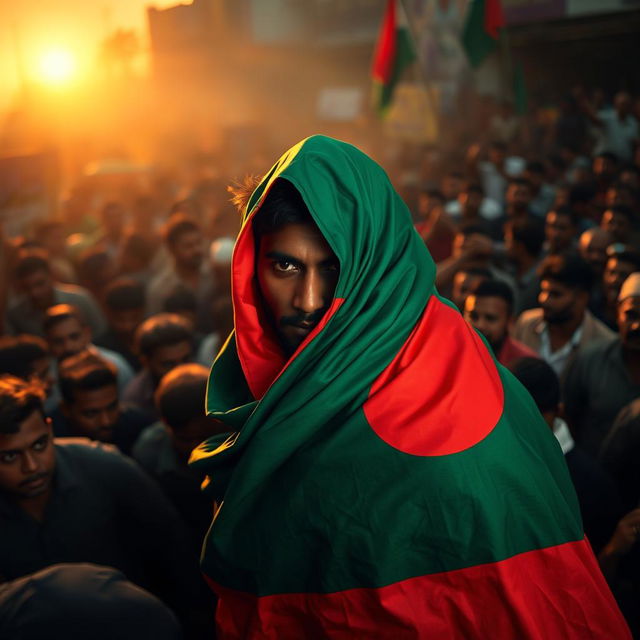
{"x": 603, "y": 167}
{"x": 559, "y": 231}
{"x": 518, "y": 197}
{"x": 297, "y": 275}
{"x": 593, "y": 248}
{"x": 490, "y": 316}
{"x": 163, "y": 359}
{"x": 188, "y": 250}
{"x": 470, "y": 202}
{"x": 94, "y": 413}
{"x": 68, "y": 338}
{"x": 27, "y": 459}
{"x": 619, "y": 197}
{"x": 622, "y": 103}
{"x": 451, "y": 187}
{"x": 463, "y": 284}
{"x": 559, "y": 303}
{"x": 615, "y": 273}
{"x": 617, "y": 224}
{"x": 124, "y": 322}
{"x": 629, "y": 322}
{"x": 38, "y": 287}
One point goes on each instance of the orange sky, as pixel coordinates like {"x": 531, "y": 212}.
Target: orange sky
{"x": 76, "y": 25}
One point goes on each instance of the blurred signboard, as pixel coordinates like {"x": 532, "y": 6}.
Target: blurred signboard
{"x": 413, "y": 115}
{"x": 340, "y": 104}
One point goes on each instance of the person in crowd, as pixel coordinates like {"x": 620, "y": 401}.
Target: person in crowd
{"x": 76, "y": 601}
{"x": 113, "y": 221}
{"x": 472, "y": 248}
{"x": 518, "y": 199}
{"x": 600, "y": 504}
{"x": 124, "y": 307}
{"x": 471, "y": 207}
{"x": 162, "y": 342}
{"x": 71, "y": 501}
{"x": 524, "y": 242}
{"x": 53, "y": 236}
{"x": 618, "y": 221}
{"x": 489, "y": 309}
{"x": 91, "y": 406}
{"x": 621, "y": 195}
{"x": 562, "y": 326}
{"x": 605, "y": 169}
{"x": 592, "y": 246}
{"x": 606, "y": 375}
{"x": 561, "y": 230}
{"x": 620, "y": 131}
{"x": 344, "y": 374}
{"x": 543, "y": 193}
{"x": 34, "y": 280}
{"x": 67, "y": 333}
{"x": 222, "y": 311}
{"x": 137, "y": 258}
{"x": 465, "y": 281}
{"x": 452, "y": 184}
{"x": 184, "y": 240}
{"x": 622, "y": 261}
{"x": 435, "y": 226}
{"x": 163, "y": 449}
{"x": 96, "y": 268}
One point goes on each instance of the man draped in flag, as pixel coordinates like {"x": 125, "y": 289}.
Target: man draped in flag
{"x": 383, "y": 476}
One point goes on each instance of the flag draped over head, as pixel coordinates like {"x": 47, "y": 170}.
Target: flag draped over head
{"x": 394, "y": 52}
{"x": 481, "y": 31}
{"x": 388, "y": 480}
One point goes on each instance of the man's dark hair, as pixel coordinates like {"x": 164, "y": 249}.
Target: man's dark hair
{"x": 608, "y": 155}
{"x": 162, "y": 330}
{"x": 535, "y": 166}
{"x": 177, "y": 226}
{"x": 528, "y": 232}
{"x": 18, "y": 400}
{"x": 124, "y": 294}
{"x": 179, "y": 300}
{"x": 30, "y": 261}
{"x": 495, "y": 289}
{"x": 19, "y": 353}
{"x": 180, "y": 395}
{"x": 582, "y": 193}
{"x": 521, "y": 182}
{"x": 569, "y": 270}
{"x": 60, "y": 313}
{"x": 481, "y": 272}
{"x": 474, "y": 187}
{"x": 282, "y": 206}
{"x": 568, "y": 212}
{"x": 85, "y": 371}
{"x": 540, "y": 380}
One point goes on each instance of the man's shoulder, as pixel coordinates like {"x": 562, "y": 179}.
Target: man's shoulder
{"x": 86, "y": 454}
{"x": 67, "y": 293}
{"x": 600, "y": 349}
{"x": 530, "y": 318}
{"x": 596, "y": 328}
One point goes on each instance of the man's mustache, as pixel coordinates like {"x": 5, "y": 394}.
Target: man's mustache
{"x": 303, "y": 319}
{"x": 38, "y": 476}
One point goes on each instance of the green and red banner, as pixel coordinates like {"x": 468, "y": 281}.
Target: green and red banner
{"x": 394, "y": 53}
{"x": 390, "y": 479}
{"x": 481, "y": 32}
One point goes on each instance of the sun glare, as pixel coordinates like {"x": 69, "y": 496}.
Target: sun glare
{"x": 57, "y": 66}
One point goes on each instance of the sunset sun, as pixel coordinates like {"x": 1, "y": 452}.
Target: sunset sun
{"x": 57, "y": 66}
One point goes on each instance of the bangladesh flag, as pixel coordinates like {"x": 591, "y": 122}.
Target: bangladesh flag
{"x": 481, "y": 30}
{"x": 394, "y": 52}
{"x": 390, "y": 479}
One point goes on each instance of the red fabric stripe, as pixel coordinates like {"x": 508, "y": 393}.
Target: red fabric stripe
{"x": 493, "y": 17}
{"x": 551, "y": 594}
{"x": 447, "y": 366}
{"x": 386, "y": 46}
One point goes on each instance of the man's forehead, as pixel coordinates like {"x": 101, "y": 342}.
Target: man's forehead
{"x": 31, "y": 429}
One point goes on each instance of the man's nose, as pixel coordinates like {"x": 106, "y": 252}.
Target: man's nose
{"x": 310, "y": 292}
{"x": 104, "y": 419}
{"x": 29, "y": 463}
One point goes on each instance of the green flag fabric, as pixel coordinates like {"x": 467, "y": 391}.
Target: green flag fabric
{"x": 390, "y": 479}
{"x": 481, "y": 31}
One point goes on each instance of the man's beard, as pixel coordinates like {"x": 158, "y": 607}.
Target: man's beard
{"x": 558, "y": 317}
{"x": 290, "y": 343}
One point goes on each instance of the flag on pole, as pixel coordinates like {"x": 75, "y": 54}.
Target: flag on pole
{"x": 394, "y": 52}
{"x": 482, "y": 27}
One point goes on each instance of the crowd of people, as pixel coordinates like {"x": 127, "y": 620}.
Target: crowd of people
{"x": 108, "y": 342}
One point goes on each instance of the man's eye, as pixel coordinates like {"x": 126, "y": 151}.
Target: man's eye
{"x": 283, "y": 266}
{"x": 41, "y": 445}
{"x": 8, "y": 458}
{"x": 333, "y": 267}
